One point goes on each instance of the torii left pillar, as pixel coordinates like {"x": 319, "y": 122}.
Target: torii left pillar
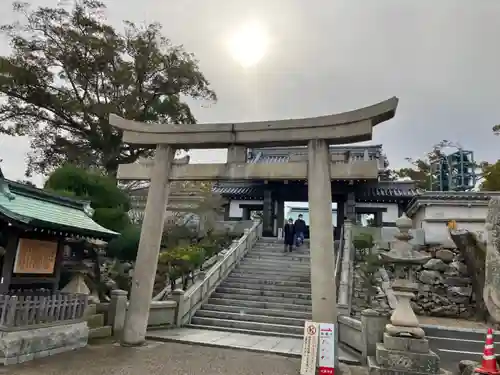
{"x": 136, "y": 322}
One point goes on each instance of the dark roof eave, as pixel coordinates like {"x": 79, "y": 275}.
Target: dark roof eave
{"x": 73, "y": 230}
{"x": 26, "y": 221}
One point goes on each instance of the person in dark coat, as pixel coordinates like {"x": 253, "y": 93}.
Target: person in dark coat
{"x": 289, "y": 235}
{"x": 300, "y": 230}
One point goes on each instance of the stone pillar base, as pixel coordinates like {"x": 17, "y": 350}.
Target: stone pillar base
{"x": 404, "y": 355}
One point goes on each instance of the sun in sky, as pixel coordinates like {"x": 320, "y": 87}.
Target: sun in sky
{"x": 249, "y": 44}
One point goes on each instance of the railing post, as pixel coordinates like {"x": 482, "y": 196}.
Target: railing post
{"x": 344, "y": 299}
{"x": 372, "y": 330}
{"x": 248, "y": 243}
{"x": 117, "y": 311}
{"x": 180, "y": 309}
{"x": 10, "y": 316}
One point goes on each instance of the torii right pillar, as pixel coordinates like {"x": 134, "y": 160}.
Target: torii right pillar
{"x": 324, "y": 299}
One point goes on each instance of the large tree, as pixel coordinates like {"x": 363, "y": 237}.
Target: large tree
{"x": 491, "y": 176}
{"x": 69, "y": 70}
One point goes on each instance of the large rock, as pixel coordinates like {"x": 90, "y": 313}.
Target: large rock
{"x": 445, "y": 255}
{"x": 430, "y": 277}
{"x": 435, "y": 265}
{"x": 466, "y": 367}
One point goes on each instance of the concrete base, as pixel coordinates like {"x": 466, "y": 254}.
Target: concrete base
{"x": 403, "y": 360}
{"x": 375, "y": 369}
{"x": 403, "y": 355}
{"x": 22, "y": 346}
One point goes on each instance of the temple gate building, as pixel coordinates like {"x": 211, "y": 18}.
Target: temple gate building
{"x": 383, "y": 200}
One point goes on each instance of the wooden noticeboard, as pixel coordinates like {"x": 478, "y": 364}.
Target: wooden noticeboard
{"x": 35, "y": 257}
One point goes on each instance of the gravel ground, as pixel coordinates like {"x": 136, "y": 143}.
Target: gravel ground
{"x": 160, "y": 358}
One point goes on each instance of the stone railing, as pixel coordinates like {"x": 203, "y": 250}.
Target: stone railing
{"x": 346, "y": 270}
{"x": 338, "y": 262}
{"x": 360, "y": 336}
{"x": 190, "y": 301}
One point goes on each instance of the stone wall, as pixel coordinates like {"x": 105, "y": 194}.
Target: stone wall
{"x": 445, "y": 288}
{"x": 26, "y": 345}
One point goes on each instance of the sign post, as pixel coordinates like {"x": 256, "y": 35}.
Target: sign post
{"x": 327, "y": 352}
{"x": 319, "y": 348}
{"x": 310, "y": 349}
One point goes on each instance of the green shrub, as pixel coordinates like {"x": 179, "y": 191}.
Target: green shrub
{"x": 124, "y": 247}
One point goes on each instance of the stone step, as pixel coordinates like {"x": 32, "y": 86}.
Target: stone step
{"x": 271, "y": 329}
{"x": 276, "y": 266}
{"x": 280, "y": 250}
{"x": 285, "y": 321}
{"x": 289, "y": 257}
{"x": 266, "y": 293}
{"x": 246, "y": 297}
{"x": 244, "y": 303}
{"x": 273, "y": 240}
{"x": 283, "y": 263}
{"x": 257, "y": 280}
{"x": 95, "y": 320}
{"x": 271, "y": 275}
{"x": 91, "y": 309}
{"x": 243, "y": 310}
{"x": 244, "y": 331}
{"x": 100, "y": 332}
{"x": 266, "y": 287}
{"x": 251, "y": 268}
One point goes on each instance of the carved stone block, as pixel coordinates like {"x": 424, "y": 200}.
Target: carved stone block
{"x": 407, "y": 362}
{"x": 406, "y": 344}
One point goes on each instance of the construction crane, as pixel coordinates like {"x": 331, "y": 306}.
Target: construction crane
{"x": 453, "y": 172}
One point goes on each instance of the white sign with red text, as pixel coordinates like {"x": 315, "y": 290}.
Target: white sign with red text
{"x": 309, "y": 348}
{"x": 327, "y": 349}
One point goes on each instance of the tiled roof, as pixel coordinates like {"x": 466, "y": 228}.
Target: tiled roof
{"x": 282, "y": 154}
{"x": 38, "y": 208}
{"x": 458, "y": 195}
{"x": 261, "y": 159}
{"x": 383, "y": 190}
{"x": 238, "y": 190}
{"x": 388, "y": 192}
{"x": 463, "y": 196}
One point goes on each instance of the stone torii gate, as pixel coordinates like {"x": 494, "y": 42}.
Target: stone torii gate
{"x": 316, "y": 166}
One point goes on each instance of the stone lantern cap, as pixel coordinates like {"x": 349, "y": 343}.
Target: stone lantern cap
{"x": 402, "y": 251}
{"x": 404, "y": 223}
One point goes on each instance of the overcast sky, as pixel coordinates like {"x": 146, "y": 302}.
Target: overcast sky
{"x": 441, "y": 58}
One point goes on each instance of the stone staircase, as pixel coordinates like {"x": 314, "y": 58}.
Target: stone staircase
{"x": 269, "y": 293}
{"x": 96, "y": 324}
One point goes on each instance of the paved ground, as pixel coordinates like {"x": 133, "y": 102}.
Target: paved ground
{"x": 161, "y": 358}
{"x": 452, "y": 323}
{"x": 288, "y": 346}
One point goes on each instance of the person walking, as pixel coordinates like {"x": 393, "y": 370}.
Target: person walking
{"x": 289, "y": 235}
{"x": 300, "y": 229}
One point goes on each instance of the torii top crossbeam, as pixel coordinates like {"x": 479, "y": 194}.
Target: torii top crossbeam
{"x": 342, "y": 128}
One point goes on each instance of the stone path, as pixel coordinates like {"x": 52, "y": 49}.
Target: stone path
{"x": 286, "y": 346}
{"x": 159, "y": 358}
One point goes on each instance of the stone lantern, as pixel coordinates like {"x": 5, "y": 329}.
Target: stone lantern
{"x": 404, "y": 348}
{"x": 405, "y": 258}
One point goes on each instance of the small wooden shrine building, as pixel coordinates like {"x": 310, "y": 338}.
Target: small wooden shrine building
{"x": 34, "y": 228}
